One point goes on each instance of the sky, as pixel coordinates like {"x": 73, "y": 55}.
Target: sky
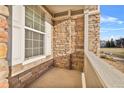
{"x": 112, "y": 22}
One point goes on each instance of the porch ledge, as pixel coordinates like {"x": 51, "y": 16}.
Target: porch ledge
{"x": 33, "y": 64}
{"x": 107, "y": 74}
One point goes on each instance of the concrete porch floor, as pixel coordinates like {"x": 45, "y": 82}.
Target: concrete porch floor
{"x": 58, "y": 78}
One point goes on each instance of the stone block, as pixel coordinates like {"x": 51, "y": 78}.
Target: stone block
{"x": 14, "y": 81}
{"x": 3, "y": 36}
{"x": 3, "y": 50}
{"x": 4, "y": 10}
{"x": 41, "y": 71}
{"x": 35, "y": 70}
{"x": 3, "y": 65}
{"x": 4, "y": 83}
{"x": 4, "y": 74}
{"x": 16, "y": 86}
{"x": 4, "y": 70}
{"x": 3, "y": 22}
{"x": 25, "y": 77}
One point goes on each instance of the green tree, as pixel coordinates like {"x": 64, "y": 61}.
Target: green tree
{"x": 112, "y": 44}
{"x": 108, "y": 44}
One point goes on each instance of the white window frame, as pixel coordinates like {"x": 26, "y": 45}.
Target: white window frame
{"x": 18, "y": 37}
{"x": 34, "y": 58}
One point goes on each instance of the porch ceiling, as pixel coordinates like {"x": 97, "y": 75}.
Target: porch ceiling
{"x": 61, "y": 8}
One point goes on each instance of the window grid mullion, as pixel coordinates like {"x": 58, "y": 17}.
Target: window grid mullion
{"x": 36, "y": 49}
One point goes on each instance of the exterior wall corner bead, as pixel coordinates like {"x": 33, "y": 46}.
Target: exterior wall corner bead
{"x": 4, "y": 13}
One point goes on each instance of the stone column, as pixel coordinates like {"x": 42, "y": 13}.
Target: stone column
{"x": 4, "y": 71}
{"x": 94, "y": 33}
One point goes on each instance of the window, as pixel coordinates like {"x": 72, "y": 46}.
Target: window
{"x": 34, "y": 31}
{"x": 30, "y": 43}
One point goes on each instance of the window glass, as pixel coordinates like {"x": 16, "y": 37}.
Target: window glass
{"x": 34, "y": 40}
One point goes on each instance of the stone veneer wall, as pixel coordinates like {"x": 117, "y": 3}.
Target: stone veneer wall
{"x": 68, "y": 43}
{"x": 4, "y": 71}
{"x": 77, "y": 41}
{"x": 94, "y": 33}
{"x": 61, "y": 44}
{"x": 27, "y": 76}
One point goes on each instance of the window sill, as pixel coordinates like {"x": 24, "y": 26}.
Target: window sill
{"x": 28, "y": 64}
{"x": 33, "y": 59}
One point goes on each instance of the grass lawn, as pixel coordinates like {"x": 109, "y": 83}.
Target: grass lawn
{"x": 119, "y": 52}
